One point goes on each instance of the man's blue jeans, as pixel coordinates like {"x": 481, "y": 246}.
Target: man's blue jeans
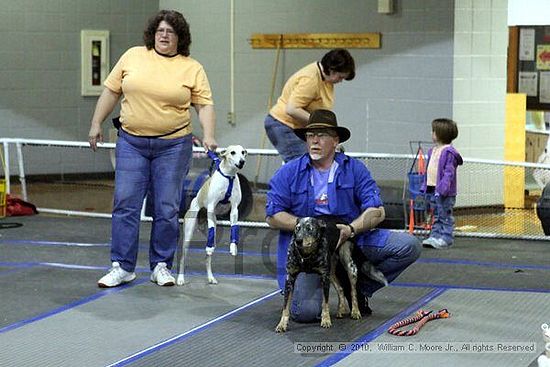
{"x": 283, "y": 139}
{"x": 400, "y": 251}
{"x": 142, "y": 165}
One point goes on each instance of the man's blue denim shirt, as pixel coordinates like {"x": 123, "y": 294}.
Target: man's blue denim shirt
{"x": 352, "y": 192}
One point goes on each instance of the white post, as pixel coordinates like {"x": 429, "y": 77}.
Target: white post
{"x": 21, "y": 171}
{"x": 7, "y": 168}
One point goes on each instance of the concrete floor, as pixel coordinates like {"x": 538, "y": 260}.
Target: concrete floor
{"x": 53, "y": 313}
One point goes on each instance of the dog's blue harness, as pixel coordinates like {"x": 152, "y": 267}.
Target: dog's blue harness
{"x": 216, "y": 160}
{"x": 210, "y": 242}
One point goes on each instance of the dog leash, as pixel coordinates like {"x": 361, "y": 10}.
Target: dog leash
{"x": 215, "y": 160}
{"x": 420, "y": 319}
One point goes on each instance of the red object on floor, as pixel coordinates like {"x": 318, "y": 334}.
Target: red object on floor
{"x": 18, "y": 207}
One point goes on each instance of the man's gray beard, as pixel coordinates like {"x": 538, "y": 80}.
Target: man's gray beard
{"x": 315, "y": 156}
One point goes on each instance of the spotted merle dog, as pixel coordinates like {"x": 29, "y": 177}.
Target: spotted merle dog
{"x": 312, "y": 249}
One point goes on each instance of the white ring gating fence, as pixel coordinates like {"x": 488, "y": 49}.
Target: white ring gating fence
{"x": 495, "y": 198}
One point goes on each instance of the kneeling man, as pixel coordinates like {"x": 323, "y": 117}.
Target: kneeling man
{"x": 326, "y": 183}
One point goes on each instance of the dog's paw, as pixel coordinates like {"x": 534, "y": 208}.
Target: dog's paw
{"x": 355, "y": 314}
{"x": 212, "y": 280}
{"x": 180, "y": 279}
{"x": 233, "y": 249}
{"x": 282, "y": 327}
{"x": 342, "y": 310}
{"x": 326, "y": 322}
{"x": 209, "y": 250}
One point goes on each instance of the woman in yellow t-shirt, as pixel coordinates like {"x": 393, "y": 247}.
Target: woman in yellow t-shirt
{"x": 310, "y": 88}
{"x": 158, "y": 84}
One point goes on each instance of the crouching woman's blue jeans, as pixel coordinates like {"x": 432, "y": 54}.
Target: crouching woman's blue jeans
{"x": 401, "y": 250}
{"x": 283, "y": 139}
{"x": 142, "y": 165}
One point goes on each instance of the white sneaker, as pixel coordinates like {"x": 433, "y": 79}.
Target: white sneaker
{"x": 437, "y": 243}
{"x": 428, "y": 242}
{"x": 161, "y": 275}
{"x": 115, "y": 277}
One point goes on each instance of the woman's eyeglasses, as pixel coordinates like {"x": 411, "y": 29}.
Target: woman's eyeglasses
{"x": 168, "y": 31}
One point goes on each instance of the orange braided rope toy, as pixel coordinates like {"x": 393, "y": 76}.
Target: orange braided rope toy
{"x": 421, "y": 318}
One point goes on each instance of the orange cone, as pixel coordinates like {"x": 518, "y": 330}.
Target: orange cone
{"x": 411, "y": 216}
{"x": 421, "y": 162}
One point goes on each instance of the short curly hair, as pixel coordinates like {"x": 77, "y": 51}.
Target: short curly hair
{"x": 176, "y": 21}
{"x": 339, "y": 60}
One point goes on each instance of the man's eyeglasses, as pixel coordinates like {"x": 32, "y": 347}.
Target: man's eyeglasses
{"x": 319, "y": 134}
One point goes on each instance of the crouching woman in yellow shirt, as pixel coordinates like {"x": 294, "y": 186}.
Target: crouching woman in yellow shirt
{"x": 309, "y": 89}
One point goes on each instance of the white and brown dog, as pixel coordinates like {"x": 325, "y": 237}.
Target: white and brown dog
{"x": 222, "y": 187}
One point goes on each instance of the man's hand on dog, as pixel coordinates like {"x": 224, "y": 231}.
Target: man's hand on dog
{"x": 345, "y": 233}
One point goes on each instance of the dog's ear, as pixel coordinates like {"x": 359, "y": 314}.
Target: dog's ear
{"x": 322, "y": 224}
{"x": 296, "y": 227}
{"x": 224, "y": 152}
{"x": 322, "y": 227}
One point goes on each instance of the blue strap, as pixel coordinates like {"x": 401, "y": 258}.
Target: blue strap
{"x": 216, "y": 160}
{"x": 235, "y": 234}
{"x": 212, "y": 155}
{"x": 211, "y": 235}
{"x": 227, "y": 195}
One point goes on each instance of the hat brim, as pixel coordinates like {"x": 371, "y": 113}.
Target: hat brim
{"x": 343, "y": 133}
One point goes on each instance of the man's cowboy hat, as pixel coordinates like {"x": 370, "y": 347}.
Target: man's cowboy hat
{"x": 323, "y": 119}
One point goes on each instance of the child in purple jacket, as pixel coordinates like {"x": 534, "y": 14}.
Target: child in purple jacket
{"x": 440, "y": 183}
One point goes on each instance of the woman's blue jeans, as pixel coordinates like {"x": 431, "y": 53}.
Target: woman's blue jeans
{"x": 144, "y": 165}
{"x": 283, "y": 139}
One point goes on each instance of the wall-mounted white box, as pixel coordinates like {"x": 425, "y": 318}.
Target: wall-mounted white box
{"x": 94, "y": 48}
{"x": 385, "y": 6}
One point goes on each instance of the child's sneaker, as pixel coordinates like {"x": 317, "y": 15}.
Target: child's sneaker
{"x": 161, "y": 275}
{"x": 428, "y": 242}
{"x": 437, "y": 243}
{"x": 115, "y": 277}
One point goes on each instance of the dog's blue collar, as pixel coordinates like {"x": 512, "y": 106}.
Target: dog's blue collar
{"x": 224, "y": 175}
